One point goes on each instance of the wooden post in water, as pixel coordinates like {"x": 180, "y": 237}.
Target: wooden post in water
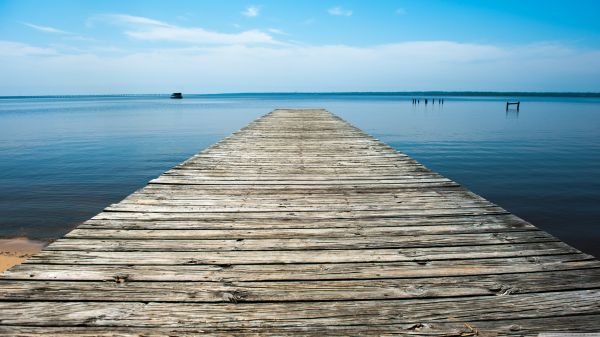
{"x": 518, "y": 104}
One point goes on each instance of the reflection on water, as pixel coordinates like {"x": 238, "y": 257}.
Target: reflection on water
{"x": 514, "y": 114}
{"x": 63, "y": 160}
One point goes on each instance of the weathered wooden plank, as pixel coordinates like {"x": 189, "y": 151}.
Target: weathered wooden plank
{"x": 300, "y": 314}
{"x": 267, "y": 233}
{"x": 325, "y": 196}
{"x": 356, "y": 242}
{"x": 293, "y": 201}
{"x": 508, "y": 220}
{"x": 259, "y": 206}
{"x": 307, "y": 215}
{"x": 182, "y": 180}
{"x": 300, "y": 256}
{"x": 303, "y": 271}
{"x": 123, "y": 289}
{"x": 512, "y": 327}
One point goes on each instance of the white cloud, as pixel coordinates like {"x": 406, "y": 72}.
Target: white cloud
{"x": 200, "y": 36}
{"x": 277, "y": 31}
{"x": 148, "y": 29}
{"x": 45, "y": 29}
{"x": 416, "y": 65}
{"x": 78, "y": 38}
{"x": 339, "y": 11}
{"x": 10, "y": 48}
{"x": 132, "y": 20}
{"x": 401, "y": 11}
{"x": 65, "y": 35}
{"x": 251, "y": 11}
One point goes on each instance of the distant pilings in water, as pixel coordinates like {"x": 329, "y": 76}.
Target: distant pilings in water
{"x": 440, "y": 101}
{"x": 517, "y": 103}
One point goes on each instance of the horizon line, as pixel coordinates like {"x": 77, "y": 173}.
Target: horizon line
{"x": 375, "y": 93}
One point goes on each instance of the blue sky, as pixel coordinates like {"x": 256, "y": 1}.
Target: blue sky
{"x": 78, "y": 47}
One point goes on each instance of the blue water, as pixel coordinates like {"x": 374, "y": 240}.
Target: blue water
{"x": 62, "y": 160}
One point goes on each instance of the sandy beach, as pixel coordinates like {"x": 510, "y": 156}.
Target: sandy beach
{"x": 16, "y": 250}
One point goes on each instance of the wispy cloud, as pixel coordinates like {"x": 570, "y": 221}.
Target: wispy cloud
{"x": 143, "y": 28}
{"x": 45, "y": 29}
{"x": 10, "y": 48}
{"x": 277, "y": 31}
{"x": 401, "y": 11}
{"x": 339, "y": 11}
{"x": 251, "y": 11}
{"x": 199, "y": 35}
{"x": 65, "y": 35}
{"x": 78, "y": 38}
{"x": 130, "y": 19}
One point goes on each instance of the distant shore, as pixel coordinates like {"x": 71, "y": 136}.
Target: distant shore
{"x": 16, "y": 250}
{"x": 337, "y": 93}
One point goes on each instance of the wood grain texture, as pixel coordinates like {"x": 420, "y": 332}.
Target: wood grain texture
{"x": 300, "y": 224}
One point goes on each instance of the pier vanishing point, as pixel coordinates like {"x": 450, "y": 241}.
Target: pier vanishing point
{"x": 302, "y": 224}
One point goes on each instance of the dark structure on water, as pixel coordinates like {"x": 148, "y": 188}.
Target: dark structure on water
{"x": 518, "y": 104}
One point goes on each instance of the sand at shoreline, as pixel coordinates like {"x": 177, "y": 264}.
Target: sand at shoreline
{"x": 16, "y": 250}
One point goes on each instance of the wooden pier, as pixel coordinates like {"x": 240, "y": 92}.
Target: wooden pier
{"x": 301, "y": 224}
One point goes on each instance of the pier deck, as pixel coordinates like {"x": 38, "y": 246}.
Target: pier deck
{"x": 301, "y": 224}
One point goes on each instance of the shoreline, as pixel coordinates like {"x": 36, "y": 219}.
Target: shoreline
{"x": 14, "y": 251}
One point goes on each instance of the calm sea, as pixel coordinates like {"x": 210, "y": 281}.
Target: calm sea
{"x": 62, "y": 160}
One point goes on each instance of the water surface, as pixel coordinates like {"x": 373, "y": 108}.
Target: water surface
{"x": 62, "y": 160}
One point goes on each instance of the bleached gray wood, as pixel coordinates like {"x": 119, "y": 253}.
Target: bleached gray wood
{"x": 301, "y": 224}
{"x": 69, "y": 271}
